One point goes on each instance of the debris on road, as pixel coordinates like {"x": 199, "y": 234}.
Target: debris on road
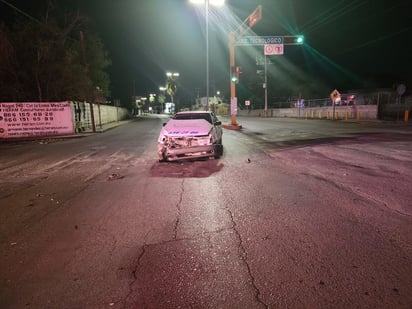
{"x": 115, "y": 176}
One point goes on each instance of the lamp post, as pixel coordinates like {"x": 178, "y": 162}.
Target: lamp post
{"x": 99, "y": 101}
{"x": 152, "y": 99}
{"x": 216, "y": 3}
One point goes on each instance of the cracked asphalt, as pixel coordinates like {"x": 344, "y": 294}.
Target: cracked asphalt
{"x": 296, "y": 214}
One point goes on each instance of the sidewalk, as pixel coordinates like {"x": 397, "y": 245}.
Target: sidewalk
{"x": 85, "y": 133}
{"x": 104, "y": 127}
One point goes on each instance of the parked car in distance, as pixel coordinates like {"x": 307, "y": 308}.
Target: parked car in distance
{"x": 190, "y": 134}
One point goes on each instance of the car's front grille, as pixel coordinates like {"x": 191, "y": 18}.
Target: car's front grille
{"x": 188, "y": 141}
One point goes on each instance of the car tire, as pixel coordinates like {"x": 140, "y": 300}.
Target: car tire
{"x": 162, "y": 159}
{"x": 218, "y": 151}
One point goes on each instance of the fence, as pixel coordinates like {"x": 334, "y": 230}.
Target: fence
{"x": 89, "y": 116}
{"x": 383, "y": 105}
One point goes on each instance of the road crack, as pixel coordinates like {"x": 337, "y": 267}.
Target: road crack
{"x": 144, "y": 249}
{"x": 179, "y": 211}
{"x": 244, "y": 257}
{"x": 134, "y": 273}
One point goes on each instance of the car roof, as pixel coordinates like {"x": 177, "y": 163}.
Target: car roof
{"x": 186, "y": 115}
{"x": 194, "y": 112}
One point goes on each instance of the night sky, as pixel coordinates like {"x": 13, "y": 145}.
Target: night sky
{"x": 348, "y": 44}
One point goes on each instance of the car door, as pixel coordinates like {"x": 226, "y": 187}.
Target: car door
{"x": 218, "y": 127}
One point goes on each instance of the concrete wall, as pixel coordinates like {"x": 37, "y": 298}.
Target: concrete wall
{"x": 39, "y": 119}
{"x": 341, "y": 112}
{"x": 103, "y": 114}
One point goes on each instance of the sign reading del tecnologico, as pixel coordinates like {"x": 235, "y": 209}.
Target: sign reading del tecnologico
{"x": 260, "y": 40}
{"x": 31, "y": 119}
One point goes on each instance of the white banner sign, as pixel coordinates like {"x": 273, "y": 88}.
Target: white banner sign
{"x": 35, "y": 119}
{"x": 233, "y": 105}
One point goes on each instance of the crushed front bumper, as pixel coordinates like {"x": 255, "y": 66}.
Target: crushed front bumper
{"x": 181, "y": 153}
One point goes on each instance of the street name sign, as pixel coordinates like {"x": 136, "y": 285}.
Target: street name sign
{"x": 260, "y": 40}
{"x": 233, "y": 106}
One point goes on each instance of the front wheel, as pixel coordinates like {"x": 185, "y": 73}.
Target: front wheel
{"x": 218, "y": 151}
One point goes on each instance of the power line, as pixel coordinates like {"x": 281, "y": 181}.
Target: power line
{"x": 22, "y": 12}
{"x": 45, "y": 26}
{"x": 373, "y": 41}
{"x": 330, "y": 15}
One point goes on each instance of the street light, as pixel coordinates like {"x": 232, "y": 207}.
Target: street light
{"x": 215, "y": 3}
{"x": 170, "y": 74}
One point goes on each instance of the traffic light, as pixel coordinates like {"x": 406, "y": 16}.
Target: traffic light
{"x": 233, "y": 77}
{"x": 299, "y": 39}
{"x": 234, "y": 74}
{"x": 293, "y": 39}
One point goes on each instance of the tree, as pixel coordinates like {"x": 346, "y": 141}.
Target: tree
{"x": 97, "y": 60}
{"x": 8, "y": 72}
{"x": 161, "y": 99}
{"x": 45, "y": 61}
{"x": 171, "y": 86}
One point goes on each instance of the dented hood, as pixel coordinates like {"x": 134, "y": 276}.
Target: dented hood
{"x": 188, "y": 127}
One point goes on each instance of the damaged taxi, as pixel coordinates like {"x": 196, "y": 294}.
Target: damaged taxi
{"x": 190, "y": 134}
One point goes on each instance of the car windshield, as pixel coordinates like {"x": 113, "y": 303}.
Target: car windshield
{"x": 185, "y": 116}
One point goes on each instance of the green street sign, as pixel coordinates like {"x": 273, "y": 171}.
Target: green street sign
{"x": 260, "y": 40}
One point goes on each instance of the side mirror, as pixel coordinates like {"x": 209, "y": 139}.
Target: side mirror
{"x": 218, "y": 123}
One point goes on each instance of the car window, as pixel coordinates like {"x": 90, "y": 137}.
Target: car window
{"x": 204, "y": 116}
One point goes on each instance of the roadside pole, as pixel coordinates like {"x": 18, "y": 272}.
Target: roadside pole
{"x": 92, "y": 118}
{"x": 265, "y": 85}
{"x": 232, "y": 42}
{"x": 273, "y": 45}
{"x": 247, "y": 24}
{"x": 335, "y": 95}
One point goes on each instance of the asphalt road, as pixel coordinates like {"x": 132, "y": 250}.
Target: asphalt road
{"x": 296, "y": 214}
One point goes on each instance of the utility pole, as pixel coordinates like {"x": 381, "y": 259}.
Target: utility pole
{"x": 207, "y": 53}
{"x": 266, "y": 87}
{"x": 247, "y": 24}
